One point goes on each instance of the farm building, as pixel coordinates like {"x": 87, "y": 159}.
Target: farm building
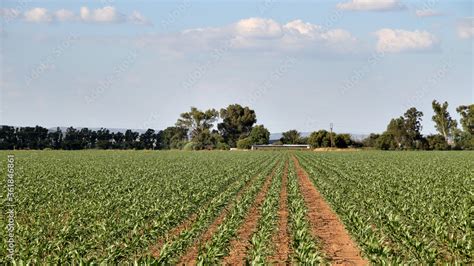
{"x": 281, "y": 147}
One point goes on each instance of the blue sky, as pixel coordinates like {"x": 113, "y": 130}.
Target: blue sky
{"x": 299, "y": 64}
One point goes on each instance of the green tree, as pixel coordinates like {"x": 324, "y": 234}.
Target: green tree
{"x": 197, "y": 122}
{"x": 131, "y": 138}
{"x": 104, "y": 139}
{"x": 237, "y": 122}
{"x": 56, "y": 139}
{"x": 7, "y": 138}
{"x": 259, "y": 135}
{"x": 291, "y": 137}
{"x": 396, "y": 129}
{"x": 437, "y": 142}
{"x": 443, "y": 121}
{"x": 173, "y": 138}
{"x": 412, "y": 121}
{"x": 371, "y": 140}
{"x": 386, "y": 141}
{"x": 342, "y": 140}
{"x": 467, "y": 117}
{"x": 320, "y": 139}
{"x": 148, "y": 139}
{"x": 245, "y": 143}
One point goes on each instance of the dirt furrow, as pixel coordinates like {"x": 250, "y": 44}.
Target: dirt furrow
{"x": 281, "y": 238}
{"x": 239, "y": 245}
{"x": 338, "y": 246}
{"x": 189, "y": 258}
{"x": 156, "y": 249}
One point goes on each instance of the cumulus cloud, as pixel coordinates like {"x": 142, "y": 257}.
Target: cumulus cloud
{"x": 395, "y": 40}
{"x": 38, "y": 15}
{"x": 107, "y": 14}
{"x": 64, "y": 15}
{"x": 371, "y": 5}
{"x": 427, "y": 13}
{"x": 258, "y": 28}
{"x": 466, "y": 28}
{"x": 259, "y": 34}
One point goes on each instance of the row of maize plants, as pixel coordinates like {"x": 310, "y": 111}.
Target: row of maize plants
{"x": 401, "y": 207}
{"x": 218, "y": 246}
{"x": 111, "y": 206}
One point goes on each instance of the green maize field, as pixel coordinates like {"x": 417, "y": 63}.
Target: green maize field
{"x": 211, "y": 207}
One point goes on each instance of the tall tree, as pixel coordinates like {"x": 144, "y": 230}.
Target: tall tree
{"x": 197, "y": 121}
{"x": 396, "y": 128}
{"x": 104, "y": 138}
{"x": 56, "y": 139}
{"x": 237, "y": 122}
{"x": 173, "y": 137}
{"x": 71, "y": 139}
{"x": 7, "y": 138}
{"x": 443, "y": 121}
{"x": 291, "y": 137}
{"x": 148, "y": 139}
{"x": 467, "y": 117}
{"x": 131, "y": 138}
{"x": 413, "y": 118}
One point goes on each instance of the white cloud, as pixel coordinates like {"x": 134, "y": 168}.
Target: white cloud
{"x": 107, "y": 14}
{"x": 258, "y": 28}
{"x": 64, "y": 15}
{"x": 38, "y": 15}
{"x": 259, "y": 34}
{"x": 394, "y": 41}
{"x": 466, "y": 28}
{"x": 371, "y": 5}
{"x": 427, "y": 13}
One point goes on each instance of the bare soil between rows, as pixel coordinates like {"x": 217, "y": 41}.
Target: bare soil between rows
{"x": 190, "y": 257}
{"x": 338, "y": 246}
{"x": 281, "y": 238}
{"x": 240, "y": 244}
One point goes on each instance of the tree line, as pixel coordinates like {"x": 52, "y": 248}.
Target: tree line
{"x": 199, "y": 130}
{"x": 194, "y": 130}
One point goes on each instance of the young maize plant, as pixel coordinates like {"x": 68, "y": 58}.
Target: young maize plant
{"x": 305, "y": 247}
{"x": 171, "y": 251}
{"x": 401, "y": 207}
{"x": 261, "y": 246}
{"x": 217, "y": 248}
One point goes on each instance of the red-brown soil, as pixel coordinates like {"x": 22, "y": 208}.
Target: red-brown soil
{"x": 190, "y": 257}
{"x": 338, "y": 246}
{"x": 281, "y": 238}
{"x": 240, "y": 244}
